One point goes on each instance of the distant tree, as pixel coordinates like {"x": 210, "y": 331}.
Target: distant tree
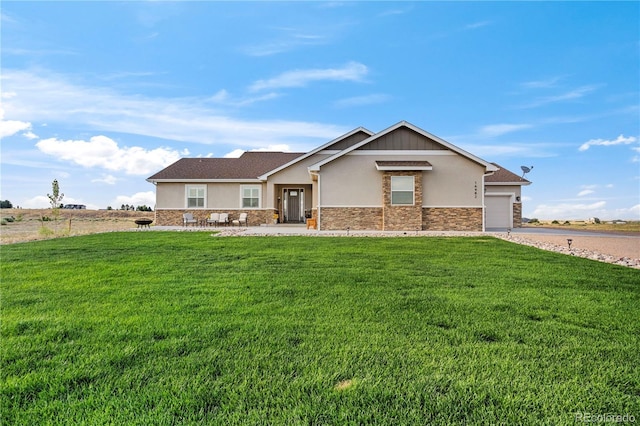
{"x": 6, "y": 204}
{"x": 109, "y": 208}
{"x": 143, "y": 208}
{"x": 55, "y": 199}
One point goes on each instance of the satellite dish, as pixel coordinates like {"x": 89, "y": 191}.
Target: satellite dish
{"x": 525, "y": 170}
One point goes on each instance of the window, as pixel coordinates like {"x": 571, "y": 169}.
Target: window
{"x": 196, "y": 195}
{"x": 402, "y": 190}
{"x": 250, "y": 196}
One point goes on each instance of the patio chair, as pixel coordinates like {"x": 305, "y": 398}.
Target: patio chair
{"x": 213, "y": 219}
{"x": 188, "y": 218}
{"x": 224, "y": 219}
{"x": 241, "y": 220}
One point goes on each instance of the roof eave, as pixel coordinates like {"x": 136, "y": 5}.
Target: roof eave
{"x": 525, "y": 183}
{"x": 245, "y": 180}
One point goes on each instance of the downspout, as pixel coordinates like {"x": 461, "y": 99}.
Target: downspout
{"x": 317, "y": 174}
{"x": 484, "y": 214}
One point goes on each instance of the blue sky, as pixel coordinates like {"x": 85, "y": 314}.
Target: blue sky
{"x": 100, "y": 95}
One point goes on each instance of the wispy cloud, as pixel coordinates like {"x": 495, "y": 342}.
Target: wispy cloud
{"x": 494, "y": 130}
{"x": 476, "y": 25}
{"x": 356, "y": 101}
{"x": 620, "y": 140}
{"x": 542, "y": 84}
{"x": 352, "y": 71}
{"x": 574, "y": 94}
{"x": 44, "y": 97}
{"x": 287, "y": 39}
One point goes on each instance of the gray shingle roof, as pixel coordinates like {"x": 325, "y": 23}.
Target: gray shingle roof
{"x": 249, "y": 165}
{"x": 504, "y": 176}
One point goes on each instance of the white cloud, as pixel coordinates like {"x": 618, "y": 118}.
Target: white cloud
{"x": 582, "y": 211}
{"x": 620, "y": 140}
{"x": 494, "y": 130}
{"x": 568, "y": 210}
{"x": 353, "y": 71}
{"x": 108, "y": 179}
{"x": 46, "y": 97}
{"x": 11, "y": 127}
{"x": 147, "y": 198}
{"x": 585, "y": 192}
{"x": 37, "y": 202}
{"x": 270, "y": 148}
{"x": 101, "y": 151}
{"x": 236, "y": 153}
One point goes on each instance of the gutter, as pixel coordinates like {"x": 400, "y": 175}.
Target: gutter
{"x": 484, "y": 214}
{"x": 319, "y": 203}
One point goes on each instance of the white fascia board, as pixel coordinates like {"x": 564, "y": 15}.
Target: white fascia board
{"x": 488, "y": 166}
{"x": 411, "y": 152}
{"x": 314, "y": 151}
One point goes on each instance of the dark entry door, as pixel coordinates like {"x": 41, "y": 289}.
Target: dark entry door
{"x": 293, "y": 198}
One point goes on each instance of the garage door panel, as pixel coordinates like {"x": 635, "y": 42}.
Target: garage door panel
{"x": 498, "y": 211}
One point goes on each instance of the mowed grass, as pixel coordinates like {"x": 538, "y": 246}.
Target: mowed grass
{"x": 182, "y": 328}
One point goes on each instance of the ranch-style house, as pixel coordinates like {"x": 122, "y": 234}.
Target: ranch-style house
{"x": 402, "y": 178}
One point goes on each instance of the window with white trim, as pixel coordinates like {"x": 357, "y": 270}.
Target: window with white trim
{"x": 196, "y": 196}
{"x": 250, "y": 195}
{"x": 402, "y": 190}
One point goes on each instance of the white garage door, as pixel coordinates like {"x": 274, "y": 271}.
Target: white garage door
{"x": 498, "y": 211}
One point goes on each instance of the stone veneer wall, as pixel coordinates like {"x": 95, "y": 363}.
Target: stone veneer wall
{"x": 355, "y": 218}
{"x": 517, "y": 215}
{"x": 402, "y": 218}
{"x": 174, "y": 217}
{"x": 452, "y": 218}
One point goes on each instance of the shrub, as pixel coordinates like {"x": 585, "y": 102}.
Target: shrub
{"x": 566, "y": 222}
{"x": 555, "y": 222}
{"x": 534, "y": 220}
{"x": 8, "y": 219}
{"x": 45, "y": 232}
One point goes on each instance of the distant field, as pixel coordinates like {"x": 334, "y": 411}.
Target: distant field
{"x": 27, "y": 224}
{"x": 629, "y": 226}
{"x": 184, "y": 328}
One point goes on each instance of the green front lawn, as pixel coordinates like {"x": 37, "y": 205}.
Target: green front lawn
{"x": 182, "y": 328}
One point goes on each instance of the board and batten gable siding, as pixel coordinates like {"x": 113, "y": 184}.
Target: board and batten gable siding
{"x": 402, "y": 139}
{"x": 349, "y": 141}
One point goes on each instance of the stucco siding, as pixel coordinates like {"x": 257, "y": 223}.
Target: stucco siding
{"x": 170, "y": 195}
{"x": 454, "y": 182}
{"x": 218, "y": 195}
{"x": 351, "y": 181}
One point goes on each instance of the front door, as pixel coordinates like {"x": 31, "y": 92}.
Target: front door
{"x": 293, "y": 205}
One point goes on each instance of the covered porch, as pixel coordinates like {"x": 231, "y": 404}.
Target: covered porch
{"x": 294, "y": 203}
